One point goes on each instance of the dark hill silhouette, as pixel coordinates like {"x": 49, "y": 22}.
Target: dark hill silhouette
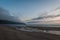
{"x": 10, "y": 22}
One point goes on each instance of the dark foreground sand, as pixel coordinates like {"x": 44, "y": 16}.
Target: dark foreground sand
{"x": 7, "y": 33}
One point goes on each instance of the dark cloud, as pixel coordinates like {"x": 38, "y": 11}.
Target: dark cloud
{"x": 44, "y": 17}
{"x": 41, "y": 18}
{"x": 52, "y": 14}
{"x": 48, "y": 16}
{"x": 4, "y": 15}
{"x": 57, "y": 8}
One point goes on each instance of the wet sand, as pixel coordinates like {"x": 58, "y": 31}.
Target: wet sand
{"x": 8, "y": 33}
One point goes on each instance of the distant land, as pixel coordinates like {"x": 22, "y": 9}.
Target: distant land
{"x": 10, "y": 22}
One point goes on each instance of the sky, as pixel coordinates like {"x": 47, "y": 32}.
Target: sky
{"x": 51, "y": 17}
{"x": 29, "y": 9}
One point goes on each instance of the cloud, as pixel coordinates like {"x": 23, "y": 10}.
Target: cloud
{"x": 57, "y": 8}
{"x": 5, "y": 15}
{"x": 45, "y": 17}
{"x": 51, "y": 14}
{"x": 49, "y": 17}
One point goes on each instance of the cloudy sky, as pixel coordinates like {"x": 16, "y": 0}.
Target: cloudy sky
{"x": 51, "y": 17}
{"x": 40, "y": 10}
